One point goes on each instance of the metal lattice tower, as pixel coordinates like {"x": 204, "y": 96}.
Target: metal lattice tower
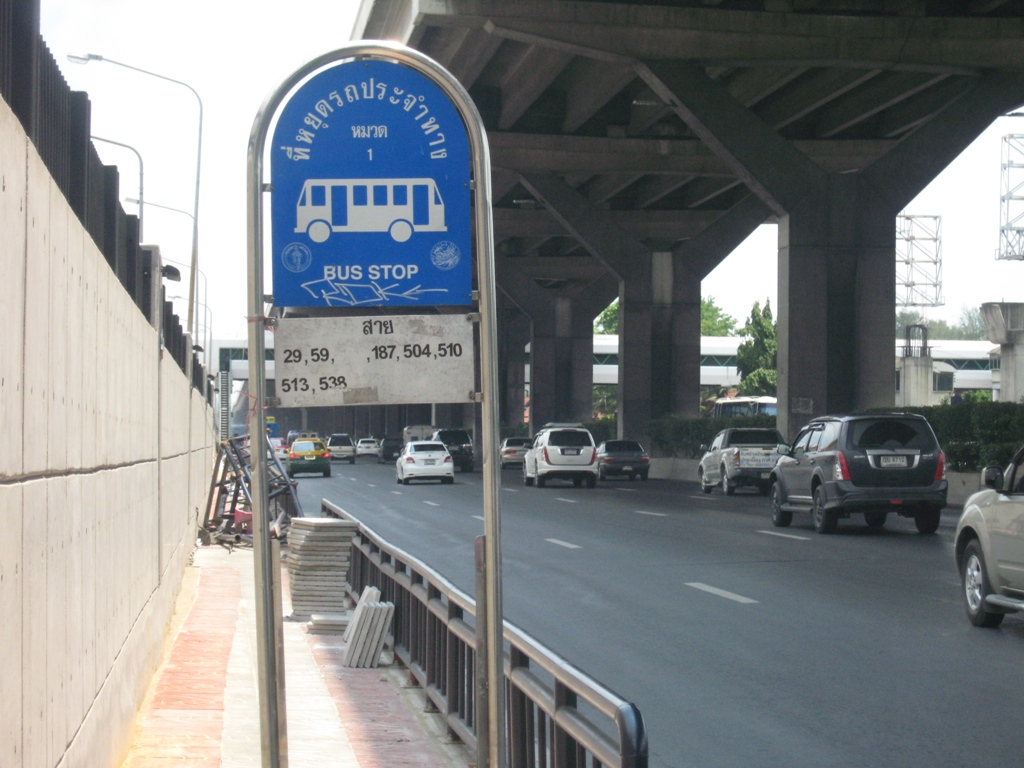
{"x": 919, "y": 261}
{"x": 1011, "y": 199}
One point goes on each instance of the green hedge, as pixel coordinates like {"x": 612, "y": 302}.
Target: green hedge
{"x": 973, "y": 435}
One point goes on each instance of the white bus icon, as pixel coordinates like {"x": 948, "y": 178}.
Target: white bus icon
{"x": 396, "y": 206}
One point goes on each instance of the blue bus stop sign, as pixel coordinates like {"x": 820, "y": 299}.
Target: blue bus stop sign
{"x": 370, "y": 200}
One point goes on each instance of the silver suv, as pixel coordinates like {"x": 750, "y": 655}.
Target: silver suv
{"x": 562, "y": 452}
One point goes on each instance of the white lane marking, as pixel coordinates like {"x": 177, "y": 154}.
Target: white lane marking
{"x": 626, "y": 490}
{"x": 510, "y": 490}
{"x": 565, "y": 544}
{"x": 431, "y": 503}
{"x": 653, "y": 514}
{"x": 720, "y": 592}
{"x": 567, "y": 501}
{"x": 353, "y": 480}
{"x": 397, "y": 493}
{"x": 786, "y": 535}
{"x": 370, "y": 485}
{"x": 478, "y": 517}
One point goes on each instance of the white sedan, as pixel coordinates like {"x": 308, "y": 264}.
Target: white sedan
{"x": 367, "y": 446}
{"x": 426, "y": 459}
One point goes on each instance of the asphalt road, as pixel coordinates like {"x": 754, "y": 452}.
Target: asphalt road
{"x": 742, "y": 644}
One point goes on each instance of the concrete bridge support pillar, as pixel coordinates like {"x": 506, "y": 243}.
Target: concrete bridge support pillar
{"x": 836, "y": 231}
{"x": 513, "y": 336}
{"x": 629, "y": 262}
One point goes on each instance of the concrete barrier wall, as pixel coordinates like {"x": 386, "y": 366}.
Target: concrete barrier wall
{"x": 105, "y": 455}
{"x": 961, "y": 484}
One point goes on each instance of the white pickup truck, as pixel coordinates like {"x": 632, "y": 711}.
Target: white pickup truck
{"x": 737, "y": 457}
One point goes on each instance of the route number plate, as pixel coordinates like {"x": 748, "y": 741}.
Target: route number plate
{"x": 384, "y": 360}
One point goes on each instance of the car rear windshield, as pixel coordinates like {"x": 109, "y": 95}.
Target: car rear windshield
{"x": 454, "y": 436}
{"x": 570, "y": 438}
{"x": 301, "y": 446}
{"x": 623, "y": 446}
{"x": 755, "y": 437}
{"x": 891, "y": 433}
{"x": 340, "y": 440}
{"x": 515, "y": 442}
{"x": 428, "y": 448}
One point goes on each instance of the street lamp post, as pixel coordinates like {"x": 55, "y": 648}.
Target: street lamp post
{"x": 199, "y": 155}
{"x": 141, "y": 196}
{"x": 209, "y": 337}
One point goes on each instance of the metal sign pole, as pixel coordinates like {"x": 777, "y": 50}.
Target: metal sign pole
{"x": 271, "y": 699}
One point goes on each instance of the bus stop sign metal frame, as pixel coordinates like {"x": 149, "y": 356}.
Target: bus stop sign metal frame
{"x": 268, "y": 620}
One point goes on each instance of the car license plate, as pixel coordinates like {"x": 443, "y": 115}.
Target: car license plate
{"x": 765, "y": 475}
{"x": 627, "y": 469}
{"x": 428, "y": 462}
{"x": 310, "y": 458}
{"x": 570, "y": 451}
{"x": 892, "y": 461}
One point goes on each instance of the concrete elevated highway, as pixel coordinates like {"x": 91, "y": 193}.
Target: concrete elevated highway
{"x": 634, "y": 146}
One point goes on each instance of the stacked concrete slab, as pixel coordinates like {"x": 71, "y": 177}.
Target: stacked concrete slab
{"x": 367, "y": 630}
{"x": 319, "y": 553}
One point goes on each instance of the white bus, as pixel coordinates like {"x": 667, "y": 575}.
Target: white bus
{"x": 727, "y": 407}
{"x": 396, "y": 206}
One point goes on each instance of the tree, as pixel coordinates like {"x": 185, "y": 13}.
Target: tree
{"x": 971, "y": 325}
{"x": 608, "y": 320}
{"x": 714, "y": 321}
{"x": 756, "y": 356}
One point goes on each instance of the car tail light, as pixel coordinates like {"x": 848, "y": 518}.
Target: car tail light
{"x": 293, "y": 455}
{"x": 736, "y": 456}
{"x": 447, "y": 459}
{"x": 593, "y": 455}
{"x": 842, "y": 471}
{"x": 940, "y": 468}
{"x": 326, "y": 454}
{"x": 410, "y": 460}
{"x": 644, "y": 459}
{"x": 546, "y": 455}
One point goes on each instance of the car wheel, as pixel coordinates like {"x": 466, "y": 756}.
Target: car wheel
{"x": 975, "y": 587}
{"x": 541, "y": 481}
{"x": 527, "y": 480}
{"x": 351, "y": 459}
{"x": 577, "y": 482}
{"x": 927, "y": 522}
{"x": 704, "y": 486}
{"x": 601, "y": 475}
{"x": 643, "y": 476}
{"x": 591, "y": 481}
{"x": 405, "y": 481}
{"x": 764, "y": 488}
{"x": 447, "y": 480}
{"x": 632, "y": 477}
{"x": 875, "y": 518}
{"x": 727, "y": 489}
{"x": 327, "y": 472}
{"x": 781, "y": 518}
{"x": 398, "y": 479}
{"x": 825, "y": 521}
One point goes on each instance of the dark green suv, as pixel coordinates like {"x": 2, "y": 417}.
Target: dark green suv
{"x": 870, "y": 464}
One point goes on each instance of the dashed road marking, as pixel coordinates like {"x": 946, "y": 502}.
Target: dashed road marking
{"x": 478, "y": 517}
{"x": 626, "y": 490}
{"x": 511, "y": 490}
{"x": 565, "y": 544}
{"x": 431, "y": 503}
{"x": 567, "y": 501}
{"x": 370, "y": 485}
{"x": 786, "y": 535}
{"x": 397, "y": 493}
{"x": 354, "y": 480}
{"x": 720, "y": 592}
{"x": 652, "y": 514}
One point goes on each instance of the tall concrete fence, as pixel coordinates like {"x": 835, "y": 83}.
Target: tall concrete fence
{"x": 105, "y": 458}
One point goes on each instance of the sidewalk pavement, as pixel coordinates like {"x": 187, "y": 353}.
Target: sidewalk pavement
{"x": 202, "y": 709}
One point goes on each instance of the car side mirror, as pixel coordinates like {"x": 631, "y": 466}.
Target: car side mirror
{"x": 783, "y": 450}
{"x": 992, "y": 477}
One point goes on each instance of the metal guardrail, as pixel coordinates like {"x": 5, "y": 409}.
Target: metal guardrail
{"x": 558, "y": 717}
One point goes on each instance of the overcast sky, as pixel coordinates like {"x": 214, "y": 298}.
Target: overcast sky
{"x": 235, "y": 54}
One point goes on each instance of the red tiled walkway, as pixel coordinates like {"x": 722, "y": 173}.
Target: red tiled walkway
{"x": 183, "y": 722}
